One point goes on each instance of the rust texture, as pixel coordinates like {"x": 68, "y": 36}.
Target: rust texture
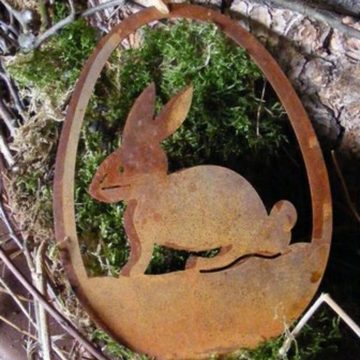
{"x": 196, "y": 209}
{"x": 217, "y": 304}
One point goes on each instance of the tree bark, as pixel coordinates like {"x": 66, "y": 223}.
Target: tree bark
{"x": 346, "y": 7}
{"x": 322, "y": 63}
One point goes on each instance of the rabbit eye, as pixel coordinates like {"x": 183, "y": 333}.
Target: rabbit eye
{"x": 121, "y": 169}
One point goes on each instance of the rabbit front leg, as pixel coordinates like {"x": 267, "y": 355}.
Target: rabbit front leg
{"x": 140, "y": 253}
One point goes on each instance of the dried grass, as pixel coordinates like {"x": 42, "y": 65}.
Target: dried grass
{"x": 30, "y": 198}
{"x": 24, "y": 4}
{"x": 29, "y": 188}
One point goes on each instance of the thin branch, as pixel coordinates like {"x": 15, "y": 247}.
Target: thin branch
{"x": 20, "y": 297}
{"x": 17, "y": 328}
{"x": 17, "y": 301}
{"x": 101, "y": 7}
{"x": 260, "y": 108}
{"x": 9, "y": 28}
{"x": 63, "y": 322}
{"x": 41, "y": 316}
{"x": 16, "y": 14}
{"x": 159, "y": 4}
{"x": 12, "y": 89}
{"x": 330, "y": 18}
{"x": 5, "y": 151}
{"x": 92, "y": 5}
{"x": 6, "y": 221}
{"x": 8, "y": 119}
{"x": 16, "y": 297}
{"x": 54, "y": 29}
{"x": 59, "y": 353}
{"x": 344, "y": 187}
{"x": 15, "y": 238}
{"x": 7, "y": 42}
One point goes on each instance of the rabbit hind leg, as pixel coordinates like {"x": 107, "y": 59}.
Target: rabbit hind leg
{"x": 138, "y": 265}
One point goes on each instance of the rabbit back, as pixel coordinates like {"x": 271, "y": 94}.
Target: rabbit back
{"x": 200, "y": 208}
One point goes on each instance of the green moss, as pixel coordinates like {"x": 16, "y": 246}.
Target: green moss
{"x": 317, "y": 340}
{"x": 54, "y": 68}
{"x": 113, "y": 348}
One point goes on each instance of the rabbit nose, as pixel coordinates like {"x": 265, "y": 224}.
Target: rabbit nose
{"x": 100, "y": 194}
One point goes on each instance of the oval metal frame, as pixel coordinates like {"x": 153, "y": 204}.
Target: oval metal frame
{"x": 64, "y": 212}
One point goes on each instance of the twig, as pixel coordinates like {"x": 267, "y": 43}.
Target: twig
{"x": 323, "y": 298}
{"x": 101, "y": 7}
{"x": 8, "y": 119}
{"x": 330, "y": 18}
{"x": 16, "y": 300}
{"x": 41, "y": 316}
{"x": 20, "y": 297}
{"x": 41, "y": 324}
{"x": 5, "y": 151}
{"x": 54, "y": 29}
{"x": 16, "y": 14}
{"x": 9, "y": 227}
{"x": 92, "y": 5}
{"x": 59, "y": 353}
{"x": 9, "y": 28}
{"x": 66, "y": 324}
{"x": 74, "y": 15}
{"x": 261, "y": 105}
{"x": 12, "y": 89}
{"x": 17, "y": 328}
{"x": 344, "y": 187}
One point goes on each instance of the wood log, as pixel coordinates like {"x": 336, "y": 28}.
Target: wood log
{"x": 322, "y": 64}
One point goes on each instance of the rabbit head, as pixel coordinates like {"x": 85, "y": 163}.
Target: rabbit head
{"x": 140, "y": 156}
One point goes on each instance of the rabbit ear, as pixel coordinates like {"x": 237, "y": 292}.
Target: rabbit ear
{"x": 141, "y": 114}
{"x": 174, "y": 113}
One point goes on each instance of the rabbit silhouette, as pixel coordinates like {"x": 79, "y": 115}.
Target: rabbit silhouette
{"x": 195, "y": 209}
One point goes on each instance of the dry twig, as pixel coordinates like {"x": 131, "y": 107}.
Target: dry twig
{"x": 36, "y": 42}
{"x": 12, "y": 90}
{"x": 63, "y": 322}
{"x": 54, "y": 29}
{"x": 16, "y": 14}
{"x": 8, "y": 119}
{"x": 5, "y": 151}
{"x": 260, "y": 108}
{"x": 24, "y": 332}
{"x": 17, "y": 301}
{"x": 40, "y": 314}
{"x": 20, "y": 297}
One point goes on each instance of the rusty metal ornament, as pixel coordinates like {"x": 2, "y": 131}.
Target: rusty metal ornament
{"x": 215, "y": 305}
